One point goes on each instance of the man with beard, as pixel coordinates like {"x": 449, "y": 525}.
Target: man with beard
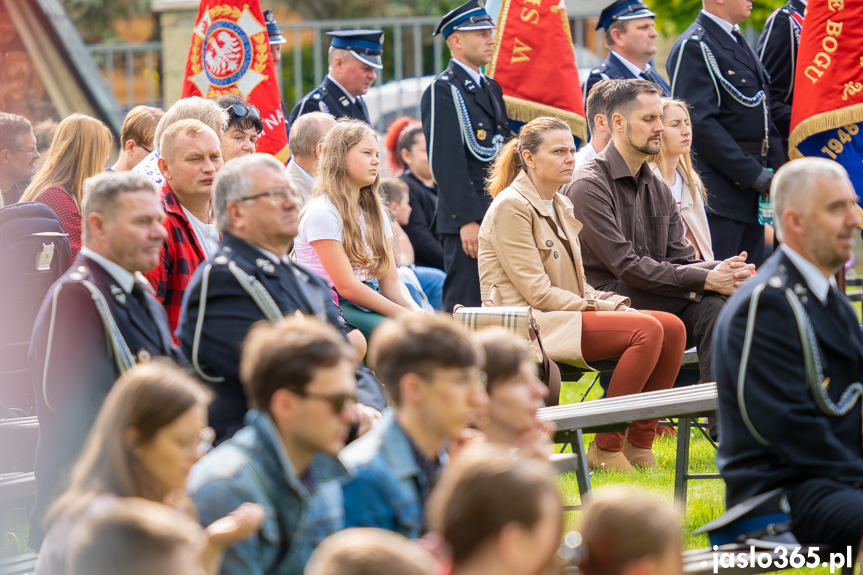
{"x": 18, "y": 155}
{"x": 633, "y": 242}
{"x": 788, "y": 353}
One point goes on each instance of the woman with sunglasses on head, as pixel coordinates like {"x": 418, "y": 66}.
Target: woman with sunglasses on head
{"x": 529, "y": 255}
{"x": 79, "y": 151}
{"x": 673, "y": 164}
{"x": 345, "y": 234}
{"x": 148, "y": 434}
{"x": 244, "y": 127}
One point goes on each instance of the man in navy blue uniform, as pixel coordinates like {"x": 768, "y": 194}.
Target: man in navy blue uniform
{"x": 790, "y": 412}
{"x": 465, "y": 125}
{"x": 630, "y": 32}
{"x": 354, "y": 56}
{"x": 251, "y": 279}
{"x": 734, "y": 140}
{"x": 97, "y": 321}
{"x": 777, "y": 48}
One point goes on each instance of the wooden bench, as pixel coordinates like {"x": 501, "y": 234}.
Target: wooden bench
{"x": 616, "y": 413}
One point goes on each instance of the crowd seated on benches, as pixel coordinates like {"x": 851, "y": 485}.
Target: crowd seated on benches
{"x": 529, "y": 254}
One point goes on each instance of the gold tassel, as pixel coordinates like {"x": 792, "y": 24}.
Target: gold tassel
{"x": 525, "y": 111}
{"x": 830, "y": 120}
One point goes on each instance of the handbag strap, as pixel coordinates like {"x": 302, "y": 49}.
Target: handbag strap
{"x": 550, "y": 368}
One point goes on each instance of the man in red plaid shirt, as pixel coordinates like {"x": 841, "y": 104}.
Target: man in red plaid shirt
{"x": 191, "y": 157}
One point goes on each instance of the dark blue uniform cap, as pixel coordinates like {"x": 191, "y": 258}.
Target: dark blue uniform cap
{"x": 623, "y": 10}
{"x": 469, "y": 16}
{"x": 365, "y": 45}
{"x": 273, "y": 30}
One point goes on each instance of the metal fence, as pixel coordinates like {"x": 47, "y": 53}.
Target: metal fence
{"x": 131, "y": 71}
{"x": 411, "y": 57}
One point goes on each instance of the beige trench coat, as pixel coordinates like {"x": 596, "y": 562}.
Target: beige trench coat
{"x": 525, "y": 259}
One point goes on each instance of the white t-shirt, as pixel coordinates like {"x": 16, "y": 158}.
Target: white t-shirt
{"x": 549, "y": 205}
{"x": 321, "y": 221}
{"x": 207, "y": 234}
{"x": 677, "y": 194}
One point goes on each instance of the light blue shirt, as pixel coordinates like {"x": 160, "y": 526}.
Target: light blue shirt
{"x": 124, "y": 277}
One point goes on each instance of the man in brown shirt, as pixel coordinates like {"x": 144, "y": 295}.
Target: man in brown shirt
{"x": 632, "y": 242}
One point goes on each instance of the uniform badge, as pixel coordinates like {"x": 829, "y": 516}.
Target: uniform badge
{"x": 775, "y": 281}
{"x": 80, "y": 273}
{"x": 316, "y": 96}
{"x": 469, "y": 85}
{"x": 481, "y": 134}
{"x": 143, "y": 356}
{"x": 265, "y": 265}
{"x": 221, "y": 260}
{"x": 324, "y": 108}
{"x": 344, "y": 101}
{"x": 119, "y": 294}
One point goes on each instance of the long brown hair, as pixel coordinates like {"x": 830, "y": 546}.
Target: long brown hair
{"x": 146, "y": 398}
{"x": 78, "y": 151}
{"x": 509, "y": 161}
{"x": 332, "y": 182}
{"x": 684, "y": 165}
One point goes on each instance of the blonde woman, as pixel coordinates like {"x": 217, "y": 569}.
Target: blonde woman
{"x": 529, "y": 254}
{"x": 79, "y": 150}
{"x": 344, "y": 233}
{"x": 149, "y": 432}
{"x": 673, "y": 164}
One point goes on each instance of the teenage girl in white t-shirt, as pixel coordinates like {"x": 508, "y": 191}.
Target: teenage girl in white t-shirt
{"x": 344, "y": 234}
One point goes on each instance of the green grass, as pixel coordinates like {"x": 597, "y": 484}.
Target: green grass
{"x": 705, "y": 497}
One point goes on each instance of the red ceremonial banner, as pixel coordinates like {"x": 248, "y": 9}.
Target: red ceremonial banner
{"x": 534, "y": 62}
{"x": 827, "y": 115}
{"x": 230, "y": 54}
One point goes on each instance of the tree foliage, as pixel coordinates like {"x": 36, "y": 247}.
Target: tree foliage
{"x": 329, "y": 9}
{"x": 674, "y": 16}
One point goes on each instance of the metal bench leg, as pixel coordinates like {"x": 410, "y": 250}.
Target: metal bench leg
{"x": 582, "y": 474}
{"x": 681, "y": 466}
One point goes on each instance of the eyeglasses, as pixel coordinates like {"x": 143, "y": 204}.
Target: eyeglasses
{"x": 464, "y": 377}
{"x": 338, "y": 402}
{"x": 276, "y": 195}
{"x": 202, "y": 443}
{"x": 242, "y": 111}
{"x": 145, "y": 148}
{"x": 32, "y": 152}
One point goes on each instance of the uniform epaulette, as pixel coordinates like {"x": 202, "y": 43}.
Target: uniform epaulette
{"x": 788, "y": 9}
{"x": 221, "y": 260}
{"x": 444, "y": 76}
{"x": 80, "y": 273}
{"x": 779, "y": 280}
{"x": 697, "y": 34}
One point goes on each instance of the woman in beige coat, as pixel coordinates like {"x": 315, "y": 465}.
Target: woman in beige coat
{"x": 673, "y": 164}
{"x": 529, "y": 255}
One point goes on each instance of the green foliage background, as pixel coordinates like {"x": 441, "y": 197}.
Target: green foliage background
{"x": 674, "y": 16}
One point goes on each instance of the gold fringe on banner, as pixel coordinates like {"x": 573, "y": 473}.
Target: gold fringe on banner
{"x": 525, "y": 111}
{"x": 859, "y": 213}
{"x": 830, "y": 120}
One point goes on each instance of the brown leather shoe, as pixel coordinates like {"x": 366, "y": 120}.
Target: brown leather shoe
{"x": 604, "y": 460}
{"x": 639, "y": 456}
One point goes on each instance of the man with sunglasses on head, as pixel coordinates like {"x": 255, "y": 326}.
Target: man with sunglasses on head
{"x": 244, "y": 127}
{"x": 251, "y": 279}
{"x": 299, "y": 375}
{"x": 191, "y": 156}
{"x": 354, "y": 56}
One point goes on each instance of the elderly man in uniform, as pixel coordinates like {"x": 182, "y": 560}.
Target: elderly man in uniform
{"x": 97, "y": 321}
{"x": 630, "y": 32}
{"x": 777, "y": 48}
{"x": 788, "y": 361}
{"x": 251, "y": 279}
{"x": 354, "y": 56}
{"x": 465, "y": 125}
{"x": 734, "y": 140}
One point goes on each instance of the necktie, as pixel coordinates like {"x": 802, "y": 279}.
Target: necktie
{"x": 295, "y": 287}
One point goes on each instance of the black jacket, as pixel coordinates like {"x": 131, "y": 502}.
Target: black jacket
{"x": 229, "y": 314}
{"x": 427, "y": 247}
{"x": 459, "y": 173}
{"x": 329, "y": 98}
{"x": 613, "y": 69}
{"x": 777, "y": 48}
{"x": 727, "y": 134}
{"x": 804, "y": 442}
{"x": 81, "y": 371}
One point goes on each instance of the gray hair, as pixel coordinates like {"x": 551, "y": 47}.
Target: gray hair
{"x": 103, "y": 191}
{"x": 233, "y": 182}
{"x": 195, "y": 108}
{"x": 12, "y": 126}
{"x": 308, "y": 131}
{"x": 792, "y": 185}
